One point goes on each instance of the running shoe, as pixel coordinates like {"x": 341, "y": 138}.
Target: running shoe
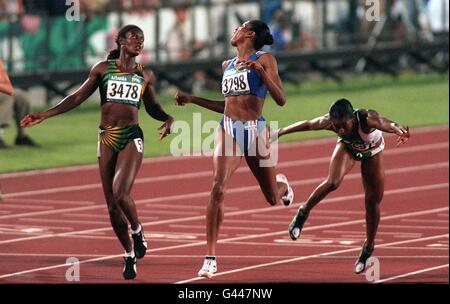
{"x": 140, "y": 244}
{"x": 209, "y": 268}
{"x": 296, "y": 226}
{"x": 364, "y": 255}
{"x": 129, "y": 271}
{"x": 288, "y": 196}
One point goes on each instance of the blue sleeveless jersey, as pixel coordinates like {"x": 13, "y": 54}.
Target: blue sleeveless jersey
{"x": 237, "y": 81}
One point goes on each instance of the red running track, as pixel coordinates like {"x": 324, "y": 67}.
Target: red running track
{"x": 51, "y": 215}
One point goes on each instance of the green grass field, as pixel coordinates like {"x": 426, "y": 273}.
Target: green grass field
{"x": 71, "y": 139}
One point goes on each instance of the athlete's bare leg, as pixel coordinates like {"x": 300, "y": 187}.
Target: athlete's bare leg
{"x": 341, "y": 163}
{"x": 127, "y": 167}
{"x": 107, "y": 165}
{"x": 225, "y": 164}
{"x": 264, "y": 171}
{"x": 372, "y": 171}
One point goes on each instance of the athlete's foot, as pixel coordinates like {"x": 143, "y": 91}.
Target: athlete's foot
{"x": 140, "y": 244}
{"x": 129, "y": 271}
{"x": 288, "y": 196}
{"x": 296, "y": 226}
{"x": 364, "y": 255}
{"x": 209, "y": 268}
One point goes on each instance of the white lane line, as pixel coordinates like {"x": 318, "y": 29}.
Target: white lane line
{"x": 430, "y": 221}
{"x": 250, "y": 211}
{"x": 229, "y": 191}
{"x": 306, "y": 143}
{"x": 289, "y": 243}
{"x": 417, "y": 227}
{"x": 184, "y": 176}
{"x": 412, "y": 273}
{"x": 234, "y": 239}
{"x": 47, "y": 201}
{"x": 64, "y": 221}
{"x": 202, "y": 227}
{"x": 310, "y": 257}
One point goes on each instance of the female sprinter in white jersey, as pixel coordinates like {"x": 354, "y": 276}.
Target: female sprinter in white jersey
{"x": 123, "y": 85}
{"x": 359, "y": 139}
{"x": 246, "y": 80}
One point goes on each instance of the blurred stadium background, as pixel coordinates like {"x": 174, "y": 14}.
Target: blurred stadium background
{"x": 326, "y": 49}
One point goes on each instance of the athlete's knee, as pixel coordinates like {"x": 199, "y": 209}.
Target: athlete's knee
{"x": 114, "y": 210}
{"x": 332, "y": 184}
{"x": 218, "y": 191}
{"x": 120, "y": 196}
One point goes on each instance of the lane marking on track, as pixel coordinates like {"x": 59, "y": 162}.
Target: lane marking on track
{"x": 306, "y": 143}
{"x": 309, "y": 257}
{"x": 235, "y": 213}
{"x": 412, "y": 273}
{"x": 185, "y": 196}
{"x": 319, "y": 227}
{"x": 209, "y": 173}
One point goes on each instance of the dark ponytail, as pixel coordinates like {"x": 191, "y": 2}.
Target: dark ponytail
{"x": 263, "y": 36}
{"x": 114, "y": 54}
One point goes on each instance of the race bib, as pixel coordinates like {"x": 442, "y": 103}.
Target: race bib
{"x": 236, "y": 83}
{"x": 123, "y": 91}
{"x": 139, "y": 145}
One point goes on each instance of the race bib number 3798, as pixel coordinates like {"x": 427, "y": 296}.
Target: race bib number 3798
{"x": 235, "y": 84}
{"x": 124, "y": 91}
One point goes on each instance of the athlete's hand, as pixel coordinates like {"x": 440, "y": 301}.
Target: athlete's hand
{"x": 32, "y": 119}
{"x": 251, "y": 65}
{"x": 182, "y": 98}
{"x": 404, "y": 136}
{"x": 165, "y": 128}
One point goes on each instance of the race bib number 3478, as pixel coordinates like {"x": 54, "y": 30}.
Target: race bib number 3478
{"x": 124, "y": 91}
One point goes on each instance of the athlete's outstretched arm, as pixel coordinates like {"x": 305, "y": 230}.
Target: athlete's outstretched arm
{"x": 318, "y": 123}
{"x": 217, "y": 106}
{"x": 153, "y": 108}
{"x": 374, "y": 120}
{"x": 70, "y": 102}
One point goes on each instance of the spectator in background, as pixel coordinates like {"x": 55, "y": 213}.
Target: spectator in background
{"x": 180, "y": 46}
{"x": 140, "y": 7}
{"x": 269, "y": 8}
{"x": 12, "y": 103}
{"x": 178, "y": 39}
{"x": 279, "y": 29}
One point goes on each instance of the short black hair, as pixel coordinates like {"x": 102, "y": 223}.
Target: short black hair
{"x": 341, "y": 109}
{"x": 263, "y": 36}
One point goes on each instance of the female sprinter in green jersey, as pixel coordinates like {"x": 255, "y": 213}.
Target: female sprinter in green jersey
{"x": 123, "y": 84}
{"x": 359, "y": 139}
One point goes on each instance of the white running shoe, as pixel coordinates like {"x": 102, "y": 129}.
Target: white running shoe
{"x": 209, "y": 268}
{"x": 288, "y": 197}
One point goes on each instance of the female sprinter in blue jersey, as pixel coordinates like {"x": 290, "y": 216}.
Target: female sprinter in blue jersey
{"x": 123, "y": 85}
{"x": 360, "y": 138}
{"x": 246, "y": 80}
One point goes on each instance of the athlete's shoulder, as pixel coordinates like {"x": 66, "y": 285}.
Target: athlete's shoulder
{"x": 101, "y": 65}
{"x": 147, "y": 73}
{"x": 264, "y": 55}
{"x": 99, "y": 68}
